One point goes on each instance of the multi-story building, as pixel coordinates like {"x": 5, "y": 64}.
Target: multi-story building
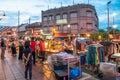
{"x": 75, "y": 19}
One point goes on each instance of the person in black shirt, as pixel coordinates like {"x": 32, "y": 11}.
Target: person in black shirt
{"x": 21, "y": 49}
{"x": 27, "y": 55}
{"x": 3, "y": 48}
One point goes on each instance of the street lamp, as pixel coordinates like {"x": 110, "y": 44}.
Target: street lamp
{"x": 3, "y": 15}
{"x": 68, "y": 28}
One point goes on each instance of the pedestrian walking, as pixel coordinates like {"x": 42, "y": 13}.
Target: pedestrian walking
{"x": 27, "y": 55}
{"x": 3, "y": 48}
{"x": 13, "y": 49}
{"x": 33, "y": 46}
{"x": 21, "y": 49}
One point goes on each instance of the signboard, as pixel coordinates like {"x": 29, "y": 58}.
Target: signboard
{"x": 61, "y": 21}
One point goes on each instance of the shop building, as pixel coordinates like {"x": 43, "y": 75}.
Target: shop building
{"x": 33, "y": 29}
{"x": 75, "y": 19}
{"x": 9, "y": 31}
{"x": 22, "y": 29}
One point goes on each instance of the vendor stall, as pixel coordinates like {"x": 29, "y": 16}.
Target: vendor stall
{"x": 61, "y": 64}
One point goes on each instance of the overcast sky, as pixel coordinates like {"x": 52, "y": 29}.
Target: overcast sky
{"x": 33, "y": 8}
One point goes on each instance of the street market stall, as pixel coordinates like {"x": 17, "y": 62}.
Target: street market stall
{"x": 65, "y": 66}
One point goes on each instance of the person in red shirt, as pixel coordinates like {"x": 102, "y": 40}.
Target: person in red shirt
{"x": 42, "y": 49}
{"x": 33, "y": 46}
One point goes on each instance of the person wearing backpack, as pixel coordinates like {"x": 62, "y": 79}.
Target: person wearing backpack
{"x": 3, "y": 48}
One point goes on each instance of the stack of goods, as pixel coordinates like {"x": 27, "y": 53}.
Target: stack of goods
{"x": 54, "y": 46}
{"x": 59, "y": 60}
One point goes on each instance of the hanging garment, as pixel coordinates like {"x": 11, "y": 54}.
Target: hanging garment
{"x": 95, "y": 55}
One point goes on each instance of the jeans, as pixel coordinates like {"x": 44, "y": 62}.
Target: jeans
{"x": 28, "y": 68}
{"x": 2, "y": 52}
{"x": 42, "y": 55}
{"x": 34, "y": 58}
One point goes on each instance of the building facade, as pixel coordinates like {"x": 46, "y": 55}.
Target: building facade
{"x": 9, "y": 31}
{"x": 22, "y": 29}
{"x": 75, "y": 19}
{"x": 33, "y": 29}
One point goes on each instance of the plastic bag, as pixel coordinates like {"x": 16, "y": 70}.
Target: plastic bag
{"x": 75, "y": 72}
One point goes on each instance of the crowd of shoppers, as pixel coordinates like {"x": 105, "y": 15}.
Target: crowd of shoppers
{"x": 27, "y": 49}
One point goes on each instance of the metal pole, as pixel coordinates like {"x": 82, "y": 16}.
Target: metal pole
{"x": 73, "y": 2}
{"x": 48, "y": 7}
{"x": 108, "y": 19}
{"x": 61, "y": 4}
{"x": 29, "y": 21}
{"x": 88, "y": 1}
{"x": 18, "y": 18}
{"x": 113, "y": 25}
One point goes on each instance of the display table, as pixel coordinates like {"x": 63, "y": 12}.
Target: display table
{"x": 65, "y": 65}
{"x": 117, "y": 57}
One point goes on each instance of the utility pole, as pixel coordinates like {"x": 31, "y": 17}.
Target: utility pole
{"x": 29, "y": 21}
{"x": 73, "y": 2}
{"x": 61, "y": 4}
{"x": 108, "y": 19}
{"x": 18, "y": 18}
{"x": 48, "y": 7}
{"x": 88, "y": 1}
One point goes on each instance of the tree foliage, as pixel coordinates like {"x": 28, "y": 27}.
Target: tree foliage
{"x": 101, "y": 33}
{"x": 104, "y": 34}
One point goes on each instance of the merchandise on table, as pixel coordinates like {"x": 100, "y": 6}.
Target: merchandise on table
{"x": 63, "y": 62}
{"x": 54, "y": 46}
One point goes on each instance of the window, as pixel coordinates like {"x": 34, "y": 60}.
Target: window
{"x": 58, "y": 27}
{"x": 45, "y": 29}
{"x": 73, "y": 14}
{"x": 45, "y": 18}
{"x": 89, "y": 13}
{"x": 89, "y": 25}
{"x": 65, "y": 28}
{"x": 57, "y": 17}
{"x": 64, "y": 16}
{"x": 51, "y": 17}
{"x": 74, "y": 27}
{"x": 51, "y": 28}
